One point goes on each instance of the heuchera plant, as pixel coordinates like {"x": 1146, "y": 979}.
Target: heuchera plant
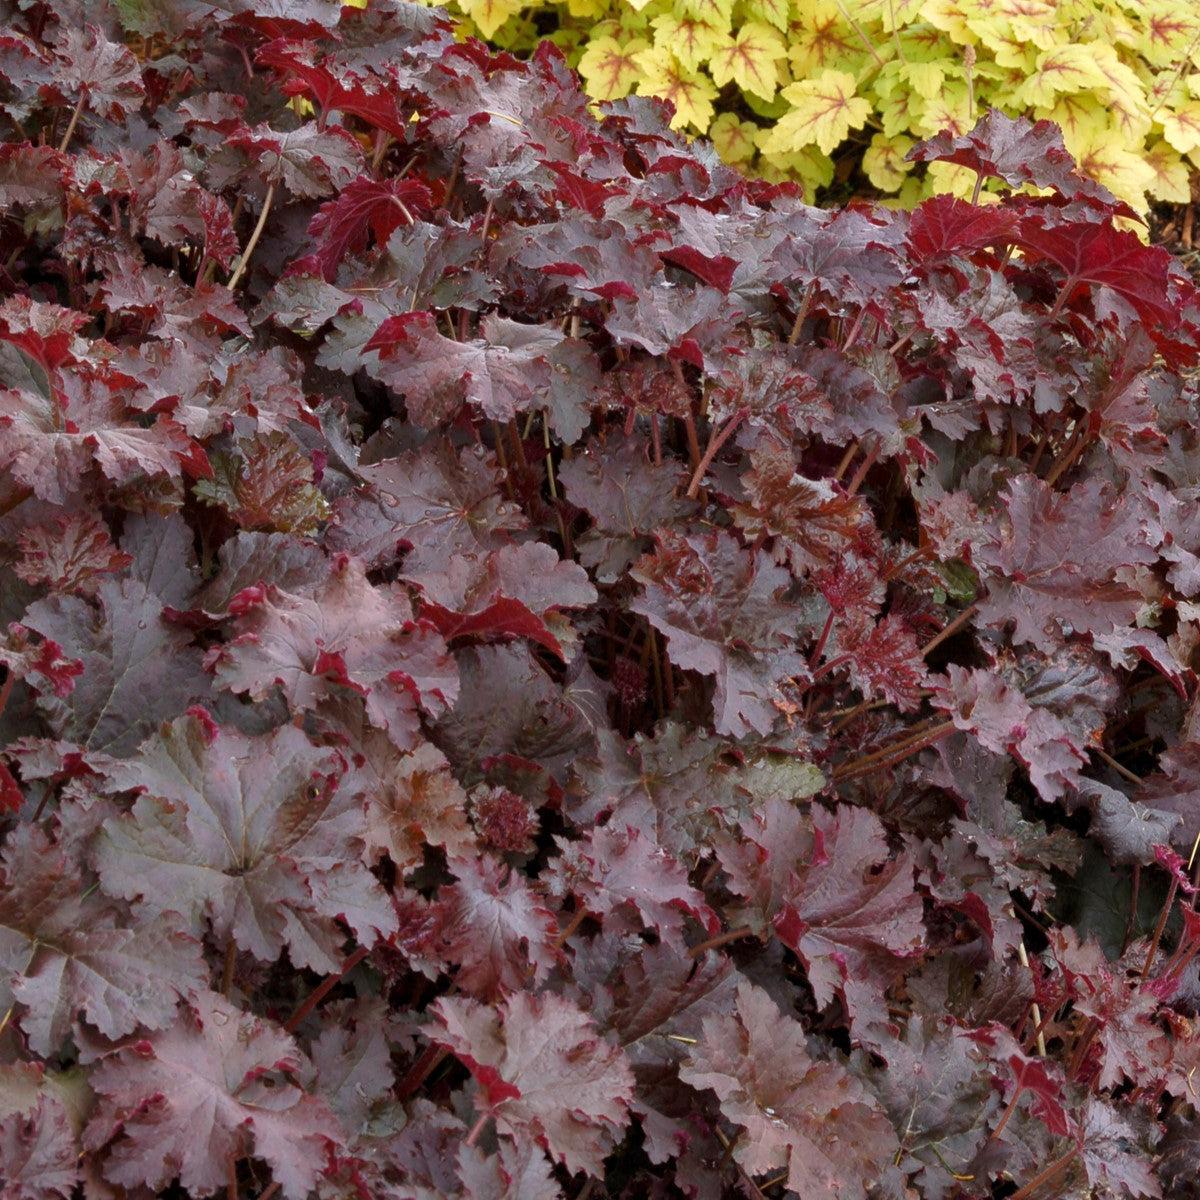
{"x": 537, "y": 667}
{"x": 814, "y": 90}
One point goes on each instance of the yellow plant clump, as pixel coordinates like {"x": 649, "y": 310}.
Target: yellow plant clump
{"x": 811, "y": 89}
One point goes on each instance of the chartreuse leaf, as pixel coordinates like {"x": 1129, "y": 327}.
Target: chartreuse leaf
{"x": 750, "y": 60}
{"x": 610, "y": 67}
{"x": 824, "y": 110}
{"x": 691, "y": 93}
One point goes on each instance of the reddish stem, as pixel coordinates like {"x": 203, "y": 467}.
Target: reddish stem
{"x": 861, "y": 473}
{"x": 689, "y": 424}
{"x": 1123, "y": 771}
{"x": 950, "y": 630}
{"x": 832, "y": 665}
{"x": 730, "y": 935}
{"x": 477, "y": 1129}
{"x": 1074, "y": 448}
{"x": 1044, "y": 1176}
{"x": 855, "y": 329}
{"x": 847, "y": 459}
{"x": 819, "y": 648}
{"x": 801, "y": 314}
{"x": 66, "y": 138}
{"x": 255, "y": 234}
{"x": 431, "y": 1058}
{"x": 714, "y": 446}
{"x": 1067, "y": 288}
{"x": 1007, "y": 1114}
{"x": 1152, "y": 949}
{"x": 572, "y": 925}
{"x": 1180, "y": 962}
{"x": 324, "y": 988}
{"x": 895, "y": 753}
{"x": 1082, "y": 1046}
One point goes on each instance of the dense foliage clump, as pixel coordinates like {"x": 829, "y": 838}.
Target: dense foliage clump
{"x": 534, "y": 665}
{"x": 817, "y": 90}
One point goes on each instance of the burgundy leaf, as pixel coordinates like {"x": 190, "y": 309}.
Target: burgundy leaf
{"x": 418, "y": 802}
{"x": 722, "y": 611}
{"x": 612, "y": 871}
{"x": 66, "y": 954}
{"x": 435, "y": 503}
{"x": 1113, "y": 258}
{"x": 137, "y": 669}
{"x": 504, "y": 373}
{"x": 71, "y": 554}
{"x": 809, "y": 1116}
{"x": 516, "y": 591}
{"x": 1052, "y": 561}
{"x": 543, "y": 1072}
{"x": 943, "y": 226}
{"x": 38, "y": 1152}
{"x": 347, "y": 634}
{"x": 851, "y": 913}
{"x": 812, "y": 523}
{"x": 308, "y": 161}
{"x": 90, "y": 69}
{"x": 365, "y": 206}
{"x": 496, "y": 928}
{"x": 251, "y": 836}
{"x": 1019, "y": 152}
{"x": 216, "y": 1085}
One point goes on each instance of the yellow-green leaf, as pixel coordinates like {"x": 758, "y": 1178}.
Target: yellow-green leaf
{"x": 1126, "y": 94}
{"x": 690, "y": 39}
{"x": 825, "y": 110}
{"x": 819, "y": 38}
{"x": 895, "y": 14}
{"x": 751, "y": 60}
{"x": 773, "y": 12}
{"x": 949, "y": 110}
{"x": 951, "y": 179}
{"x": 1034, "y": 22}
{"x": 609, "y": 69}
{"x": 1172, "y": 179}
{"x": 489, "y": 15}
{"x": 714, "y": 12}
{"x": 1078, "y": 117}
{"x": 948, "y": 16}
{"x": 1164, "y": 31}
{"x": 1125, "y": 174}
{"x": 1013, "y": 53}
{"x": 733, "y": 138}
{"x": 1065, "y": 69}
{"x": 884, "y": 162}
{"x": 900, "y": 112}
{"x": 926, "y": 78}
{"x": 1182, "y": 127}
{"x": 587, "y": 10}
{"x": 691, "y": 93}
